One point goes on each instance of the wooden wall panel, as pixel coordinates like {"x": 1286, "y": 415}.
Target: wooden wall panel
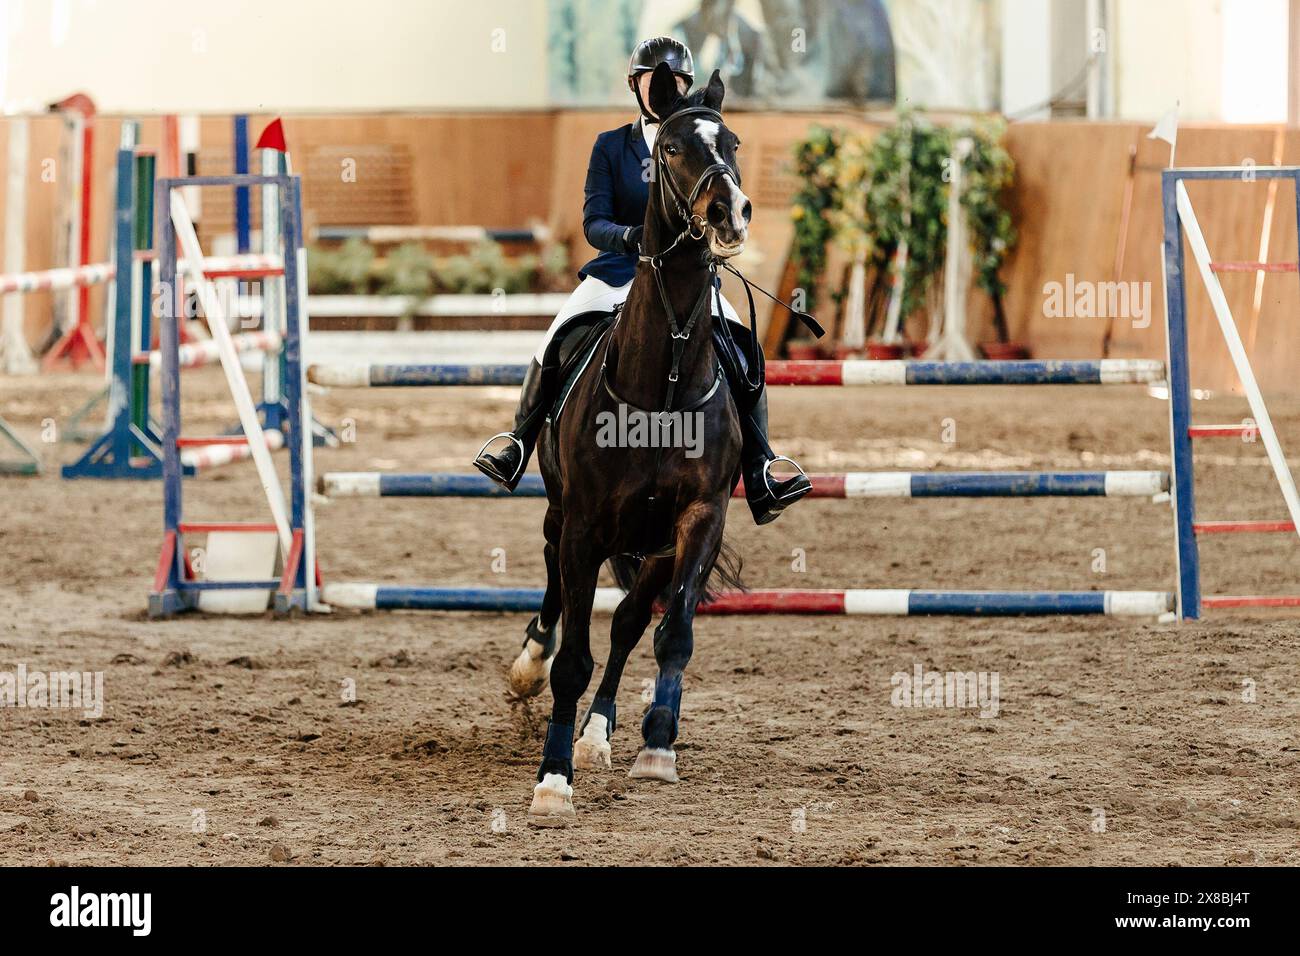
{"x": 1066, "y": 207}
{"x": 489, "y": 169}
{"x": 1273, "y": 333}
{"x": 1231, "y": 216}
{"x": 45, "y": 134}
{"x": 1066, "y": 203}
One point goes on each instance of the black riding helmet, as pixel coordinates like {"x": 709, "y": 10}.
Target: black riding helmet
{"x": 648, "y": 55}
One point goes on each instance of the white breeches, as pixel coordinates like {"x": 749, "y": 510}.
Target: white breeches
{"x": 592, "y": 295}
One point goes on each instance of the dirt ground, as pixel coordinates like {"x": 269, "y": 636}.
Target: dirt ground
{"x": 1117, "y": 740}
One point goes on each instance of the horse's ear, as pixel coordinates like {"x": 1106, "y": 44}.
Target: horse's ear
{"x": 663, "y": 91}
{"x": 714, "y": 93}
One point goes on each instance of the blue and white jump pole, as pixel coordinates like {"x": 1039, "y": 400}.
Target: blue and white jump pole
{"x": 853, "y": 484}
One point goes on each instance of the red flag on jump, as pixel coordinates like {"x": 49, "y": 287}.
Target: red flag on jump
{"x": 272, "y": 137}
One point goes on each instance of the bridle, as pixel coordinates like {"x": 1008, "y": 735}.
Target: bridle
{"x": 683, "y": 202}
{"x": 693, "y": 228}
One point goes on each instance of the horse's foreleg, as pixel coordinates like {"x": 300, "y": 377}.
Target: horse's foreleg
{"x": 570, "y": 674}
{"x": 532, "y": 668}
{"x": 699, "y": 537}
{"x": 630, "y": 620}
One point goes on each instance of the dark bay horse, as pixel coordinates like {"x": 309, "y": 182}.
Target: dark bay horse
{"x": 655, "y": 513}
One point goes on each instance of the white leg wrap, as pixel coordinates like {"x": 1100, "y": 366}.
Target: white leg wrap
{"x": 655, "y": 763}
{"x": 552, "y": 802}
{"x": 592, "y": 749}
{"x": 530, "y": 672}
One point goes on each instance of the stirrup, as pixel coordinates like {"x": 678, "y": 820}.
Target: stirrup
{"x": 523, "y": 456}
{"x": 767, "y": 469}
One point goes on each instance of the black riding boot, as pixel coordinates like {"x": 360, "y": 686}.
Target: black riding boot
{"x": 767, "y": 496}
{"x": 508, "y": 466}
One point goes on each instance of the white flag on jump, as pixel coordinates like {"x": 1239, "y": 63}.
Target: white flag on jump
{"x": 1167, "y": 129}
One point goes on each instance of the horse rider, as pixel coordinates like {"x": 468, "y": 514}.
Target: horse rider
{"x": 617, "y": 193}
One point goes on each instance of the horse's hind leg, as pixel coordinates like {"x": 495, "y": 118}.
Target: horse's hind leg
{"x": 630, "y": 620}
{"x": 532, "y": 668}
{"x": 699, "y": 536}
{"x": 553, "y": 796}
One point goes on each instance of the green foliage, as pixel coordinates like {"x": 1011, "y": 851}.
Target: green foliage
{"x": 812, "y": 205}
{"x": 341, "y": 271}
{"x": 989, "y": 171}
{"x": 894, "y": 189}
{"x": 407, "y": 270}
{"x": 871, "y": 193}
{"x": 485, "y": 268}
{"x": 410, "y": 270}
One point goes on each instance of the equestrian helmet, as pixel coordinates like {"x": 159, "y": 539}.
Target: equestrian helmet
{"x": 650, "y": 53}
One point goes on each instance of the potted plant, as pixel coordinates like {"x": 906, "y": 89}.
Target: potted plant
{"x": 891, "y": 217}
{"x": 989, "y": 170}
{"x": 815, "y": 161}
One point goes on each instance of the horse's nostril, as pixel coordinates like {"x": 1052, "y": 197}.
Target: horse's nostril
{"x": 718, "y": 213}
{"x": 747, "y": 210}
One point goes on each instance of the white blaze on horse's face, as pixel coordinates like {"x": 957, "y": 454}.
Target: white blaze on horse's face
{"x": 734, "y": 244}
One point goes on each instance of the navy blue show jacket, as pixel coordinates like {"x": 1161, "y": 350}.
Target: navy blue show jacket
{"x": 615, "y": 198}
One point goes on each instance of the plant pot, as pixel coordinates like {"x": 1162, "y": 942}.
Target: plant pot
{"x": 918, "y": 349}
{"x": 843, "y": 352}
{"x": 1004, "y": 351}
{"x": 884, "y": 351}
{"x": 803, "y": 351}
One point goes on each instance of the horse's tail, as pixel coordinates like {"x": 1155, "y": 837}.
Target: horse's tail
{"x": 726, "y": 572}
{"x": 725, "y": 575}
{"x": 625, "y": 568}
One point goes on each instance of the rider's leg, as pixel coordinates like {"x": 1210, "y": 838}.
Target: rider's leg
{"x": 767, "y": 495}
{"x": 507, "y": 465}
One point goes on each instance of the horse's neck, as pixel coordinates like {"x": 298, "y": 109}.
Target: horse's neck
{"x": 643, "y": 342}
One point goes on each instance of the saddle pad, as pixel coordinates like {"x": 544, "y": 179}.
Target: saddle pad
{"x": 581, "y": 347}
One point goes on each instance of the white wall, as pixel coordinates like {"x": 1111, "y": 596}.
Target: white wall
{"x": 1254, "y": 72}
{"x": 140, "y": 56}
{"x": 1026, "y": 58}
{"x": 1221, "y": 59}
{"x": 1169, "y": 51}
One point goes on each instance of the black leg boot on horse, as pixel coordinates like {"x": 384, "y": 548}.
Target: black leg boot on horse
{"x": 507, "y": 466}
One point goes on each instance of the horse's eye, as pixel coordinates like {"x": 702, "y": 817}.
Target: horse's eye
{"x": 737, "y": 146}
{"x": 670, "y": 150}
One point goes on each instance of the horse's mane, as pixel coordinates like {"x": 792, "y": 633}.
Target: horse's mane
{"x": 693, "y": 98}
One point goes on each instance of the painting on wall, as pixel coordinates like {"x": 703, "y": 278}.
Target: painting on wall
{"x": 787, "y": 53}
{"x": 771, "y": 53}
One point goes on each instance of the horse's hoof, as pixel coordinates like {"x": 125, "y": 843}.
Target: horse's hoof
{"x": 552, "y": 802}
{"x": 654, "y": 763}
{"x": 531, "y": 670}
{"x": 591, "y": 751}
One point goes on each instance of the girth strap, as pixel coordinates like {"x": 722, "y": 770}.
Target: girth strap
{"x": 700, "y": 402}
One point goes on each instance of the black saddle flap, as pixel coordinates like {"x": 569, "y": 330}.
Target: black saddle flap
{"x": 573, "y": 352}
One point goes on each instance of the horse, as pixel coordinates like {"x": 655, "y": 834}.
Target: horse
{"x": 655, "y": 513}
